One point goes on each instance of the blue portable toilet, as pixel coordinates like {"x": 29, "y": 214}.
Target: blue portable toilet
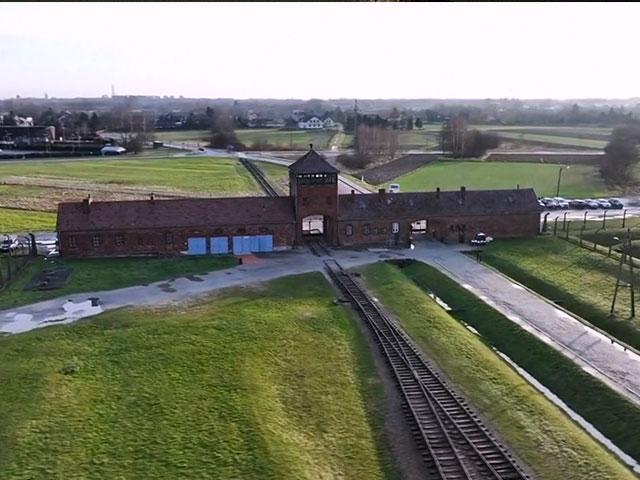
{"x": 219, "y": 245}
{"x": 266, "y": 243}
{"x": 197, "y": 246}
{"x": 255, "y": 243}
{"x": 241, "y": 245}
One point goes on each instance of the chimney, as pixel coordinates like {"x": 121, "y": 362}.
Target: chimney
{"x": 463, "y": 192}
{"x": 152, "y": 197}
{"x": 381, "y": 191}
{"x": 438, "y": 193}
{"x": 86, "y": 204}
{"x": 353, "y": 192}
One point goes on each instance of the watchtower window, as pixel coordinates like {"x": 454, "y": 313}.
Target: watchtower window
{"x": 316, "y": 178}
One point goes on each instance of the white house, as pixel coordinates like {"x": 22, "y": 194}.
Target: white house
{"x": 329, "y": 124}
{"x": 312, "y": 123}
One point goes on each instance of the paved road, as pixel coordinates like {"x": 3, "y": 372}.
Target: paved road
{"x": 595, "y": 352}
{"x": 589, "y": 348}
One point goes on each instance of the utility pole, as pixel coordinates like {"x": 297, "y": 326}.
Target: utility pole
{"x": 355, "y": 125}
{"x": 623, "y": 259}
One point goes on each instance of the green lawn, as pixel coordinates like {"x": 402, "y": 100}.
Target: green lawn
{"x": 178, "y": 136}
{"x": 417, "y": 139}
{"x": 278, "y": 176}
{"x": 579, "y": 280}
{"x": 613, "y": 415}
{"x": 108, "y": 274}
{"x": 14, "y": 221}
{"x": 577, "y": 181}
{"x": 225, "y": 389}
{"x": 548, "y": 441}
{"x": 219, "y": 176}
{"x": 289, "y": 139}
{"x": 555, "y": 139}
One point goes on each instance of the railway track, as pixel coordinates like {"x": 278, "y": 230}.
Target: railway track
{"x": 260, "y": 177}
{"x": 318, "y": 248}
{"x": 452, "y": 439}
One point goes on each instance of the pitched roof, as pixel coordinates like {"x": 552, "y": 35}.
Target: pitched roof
{"x": 431, "y": 204}
{"x": 312, "y": 162}
{"x": 175, "y": 213}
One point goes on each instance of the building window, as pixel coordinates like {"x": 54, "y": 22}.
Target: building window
{"x": 366, "y": 229}
{"x": 395, "y": 227}
{"x": 97, "y": 240}
{"x": 71, "y": 241}
{"x": 119, "y": 239}
{"x": 349, "y": 230}
{"x": 168, "y": 238}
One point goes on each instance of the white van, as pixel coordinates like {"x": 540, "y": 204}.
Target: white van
{"x": 394, "y": 188}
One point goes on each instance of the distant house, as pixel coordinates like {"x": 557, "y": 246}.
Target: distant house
{"x": 315, "y": 123}
{"x": 311, "y": 123}
{"x": 329, "y": 124}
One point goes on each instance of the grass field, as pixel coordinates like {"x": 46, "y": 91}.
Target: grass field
{"x": 555, "y": 139}
{"x": 293, "y": 139}
{"x": 610, "y": 413}
{"x": 577, "y": 181}
{"x": 278, "y": 176}
{"x": 107, "y": 274}
{"x": 178, "y": 136}
{"x": 548, "y": 441}
{"x": 579, "y": 280}
{"x": 14, "y": 221}
{"x": 218, "y": 176}
{"x": 417, "y": 139}
{"x": 225, "y": 389}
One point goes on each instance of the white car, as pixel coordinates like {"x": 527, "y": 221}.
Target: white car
{"x": 481, "y": 239}
{"x": 394, "y": 188}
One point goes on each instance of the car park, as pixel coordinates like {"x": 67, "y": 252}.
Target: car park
{"x": 481, "y": 239}
{"x": 603, "y": 203}
{"x": 592, "y": 204}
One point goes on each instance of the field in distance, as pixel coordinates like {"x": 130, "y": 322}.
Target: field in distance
{"x": 577, "y": 181}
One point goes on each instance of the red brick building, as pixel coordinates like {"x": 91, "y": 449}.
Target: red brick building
{"x": 313, "y": 209}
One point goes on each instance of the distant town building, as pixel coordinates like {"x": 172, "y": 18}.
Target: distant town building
{"x": 311, "y": 123}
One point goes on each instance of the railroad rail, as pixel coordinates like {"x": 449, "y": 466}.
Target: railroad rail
{"x": 318, "y": 248}
{"x": 452, "y": 439}
{"x": 260, "y": 177}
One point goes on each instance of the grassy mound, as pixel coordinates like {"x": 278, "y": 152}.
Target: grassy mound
{"x": 262, "y": 383}
{"x": 551, "y": 444}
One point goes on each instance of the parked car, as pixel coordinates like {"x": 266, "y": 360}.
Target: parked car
{"x": 603, "y": 203}
{"x": 563, "y": 203}
{"x": 481, "y": 239}
{"x": 592, "y": 204}
{"x": 541, "y": 203}
{"x": 394, "y": 188}
{"x": 578, "y": 204}
{"x": 550, "y": 203}
{"x": 615, "y": 203}
{"x": 5, "y": 244}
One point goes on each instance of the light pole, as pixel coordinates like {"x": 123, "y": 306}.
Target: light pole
{"x": 559, "y": 177}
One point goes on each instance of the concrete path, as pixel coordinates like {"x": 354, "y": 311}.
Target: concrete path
{"x": 73, "y": 307}
{"x": 595, "y": 352}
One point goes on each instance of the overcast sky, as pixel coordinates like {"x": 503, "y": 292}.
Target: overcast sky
{"x": 330, "y": 50}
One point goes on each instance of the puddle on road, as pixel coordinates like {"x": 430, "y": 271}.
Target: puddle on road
{"x": 194, "y": 278}
{"x": 23, "y": 322}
